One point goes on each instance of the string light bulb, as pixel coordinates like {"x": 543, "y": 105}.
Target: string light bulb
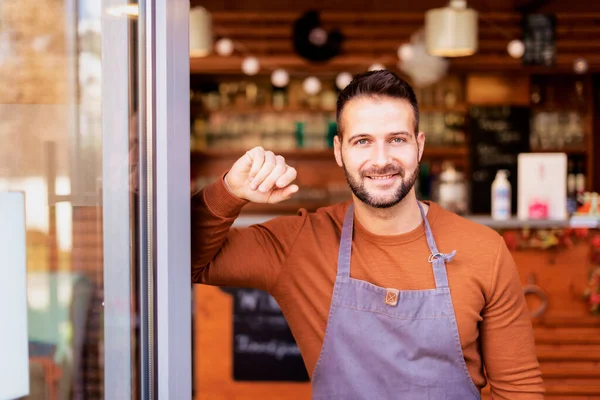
{"x": 280, "y": 78}
{"x": 376, "y": 67}
{"x": 224, "y": 47}
{"x": 580, "y": 65}
{"x": 318, "y": 36}
{"x": 343, "y": 79}
{"x": 250, "y": 66}
{"x": 516, "y": 48}
{"x": 311, "y": 85}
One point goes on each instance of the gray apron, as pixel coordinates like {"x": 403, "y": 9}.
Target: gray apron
{"x": 382, "y": 343}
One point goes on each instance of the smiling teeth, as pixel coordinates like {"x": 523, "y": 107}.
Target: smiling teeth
{"x": 381, "y": 177}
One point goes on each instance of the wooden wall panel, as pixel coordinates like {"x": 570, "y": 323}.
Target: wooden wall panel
{"x": 213, "y": 355}
{"x": 403, "y": 6}
{"x": 373, "y": 35}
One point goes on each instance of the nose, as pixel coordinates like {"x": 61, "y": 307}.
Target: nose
{"x": 381, "y": 158}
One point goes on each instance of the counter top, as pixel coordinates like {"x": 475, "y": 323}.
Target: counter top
{"x": 513, "y": 223}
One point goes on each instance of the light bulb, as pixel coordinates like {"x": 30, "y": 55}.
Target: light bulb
{"x": 280, "y": 78}
{"x": 376, "y": 67}
{"x": 516, "y": 48}
{"x": 224, "y": 47}
{"x": 405, "y": 52}
{"x": 580, "y": 65}
{"x": 343, "y": 79}
{"x": 250, "y": 66}
{"x": 311, "y": 85}
{"x": 317, "y": 36}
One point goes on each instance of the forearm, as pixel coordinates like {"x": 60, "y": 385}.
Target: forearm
{"x": 213, "y": 212}
{"x": 508, "y": 343}
{"x": 513, "y": 370}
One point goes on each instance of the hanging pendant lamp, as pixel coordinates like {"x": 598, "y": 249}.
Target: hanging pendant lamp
{"x": 451, "y": 31}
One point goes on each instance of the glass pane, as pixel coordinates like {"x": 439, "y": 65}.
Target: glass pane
{"x": 51, "y": 131}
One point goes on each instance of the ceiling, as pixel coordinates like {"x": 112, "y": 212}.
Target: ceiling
{"x": 550, "y": 6}
{"x": 373, "y": 30}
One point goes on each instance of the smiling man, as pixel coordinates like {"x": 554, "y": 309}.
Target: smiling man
{"x": 387, "y": 297}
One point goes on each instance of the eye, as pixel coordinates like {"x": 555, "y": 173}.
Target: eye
{"x": 398, "y": 140}
{"x": 361, "y": 141}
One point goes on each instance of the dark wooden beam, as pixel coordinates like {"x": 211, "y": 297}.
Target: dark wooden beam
{"x": 264, "y": 6}
{"x": 532, "y": 6}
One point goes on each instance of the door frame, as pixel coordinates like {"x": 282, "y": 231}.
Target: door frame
{"x": 163, "y": 327}
{"x": 174, "y": 290}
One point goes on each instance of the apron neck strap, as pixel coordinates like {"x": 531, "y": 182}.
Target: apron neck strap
{"x": 437, "y": 259}
{"x": 346, "y": 243}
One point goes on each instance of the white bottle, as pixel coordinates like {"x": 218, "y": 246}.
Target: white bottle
{"x": 501, "y": 196}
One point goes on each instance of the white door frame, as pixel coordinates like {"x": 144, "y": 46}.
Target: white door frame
{"x": 117, "y": 236}
{"x": 174, "y": 316}
{"x": 165, "y": 319}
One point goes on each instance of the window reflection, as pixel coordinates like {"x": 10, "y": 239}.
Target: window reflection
{"x": 51, "y": 135}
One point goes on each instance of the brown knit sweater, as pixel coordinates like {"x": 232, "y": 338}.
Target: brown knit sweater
{"x": 294, "y": 258}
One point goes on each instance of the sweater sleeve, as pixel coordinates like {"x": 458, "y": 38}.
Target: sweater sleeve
{"x": 249, "y": 257}
{"x": 507, "y": 339}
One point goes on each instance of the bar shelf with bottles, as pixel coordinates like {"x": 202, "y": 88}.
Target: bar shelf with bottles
{"x": 233, "y": 114}
{"x": 562, "y": 121}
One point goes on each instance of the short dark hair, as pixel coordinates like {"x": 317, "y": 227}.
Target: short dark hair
{"x": 376, "y": 84}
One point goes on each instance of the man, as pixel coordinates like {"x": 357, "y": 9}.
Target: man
{"x": 387, "y": 297}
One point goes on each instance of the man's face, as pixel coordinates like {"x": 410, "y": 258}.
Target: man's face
{"x": 378, "y": 150}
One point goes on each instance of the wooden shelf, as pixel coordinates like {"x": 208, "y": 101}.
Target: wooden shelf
{"x": 445, "y": 151}
{"x": 535, "y": 109}
{"x": 459, "y": 108}
{"x": 430, "y": 152}
{"x": 355, "y": 63}
{"x": 569, "y": 151}
{"x": 227, "y": 154}
{"x": 243, "y": 110}
{"x": 268, "y": 109}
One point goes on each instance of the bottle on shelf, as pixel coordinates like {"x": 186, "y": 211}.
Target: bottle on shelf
{"x": 501, "y": 196}
{"x": 452, "y": 189}
{"x": 571, "y": 188}
{"x": 580, "y": 182}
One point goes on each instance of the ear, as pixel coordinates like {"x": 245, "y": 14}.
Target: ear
{"x": 421, "y": 143}
{"x": 337, "y": 150}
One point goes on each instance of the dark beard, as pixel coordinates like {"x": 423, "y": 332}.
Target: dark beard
{"x": 363, "y": 195}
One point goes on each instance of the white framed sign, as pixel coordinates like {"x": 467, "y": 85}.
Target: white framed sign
{"x": 542, "y": 186}
{"x": 14, "y": 362}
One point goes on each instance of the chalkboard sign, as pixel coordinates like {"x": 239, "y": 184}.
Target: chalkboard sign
{"x": 263, "y": 346}
{"x": 539, "y": 32}
{"x": 497, "y": 136}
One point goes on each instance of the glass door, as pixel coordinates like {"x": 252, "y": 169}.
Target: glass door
{"x": 94, "y": 200}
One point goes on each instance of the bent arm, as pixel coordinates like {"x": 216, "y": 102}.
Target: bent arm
{"x": 249, "y": 257}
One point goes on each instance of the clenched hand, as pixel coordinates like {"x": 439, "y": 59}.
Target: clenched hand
{"x": 260, "y": 176}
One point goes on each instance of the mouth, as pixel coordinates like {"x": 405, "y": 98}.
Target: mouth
{"x": 383, "y": 180}
{"x": 381, "y": 177}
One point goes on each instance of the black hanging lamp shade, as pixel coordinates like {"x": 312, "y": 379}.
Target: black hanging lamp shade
{"x": 312, "y": 41}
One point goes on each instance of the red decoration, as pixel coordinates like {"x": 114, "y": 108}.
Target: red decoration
{"x": 593, "y": 292}
{"x": 556, "y": 239}
{"x": 511, "y": 239}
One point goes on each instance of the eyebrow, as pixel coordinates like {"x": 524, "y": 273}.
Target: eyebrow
{"x": 367, "y": 135}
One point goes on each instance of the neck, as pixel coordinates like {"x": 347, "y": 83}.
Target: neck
{"x": 401, "y": 218}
